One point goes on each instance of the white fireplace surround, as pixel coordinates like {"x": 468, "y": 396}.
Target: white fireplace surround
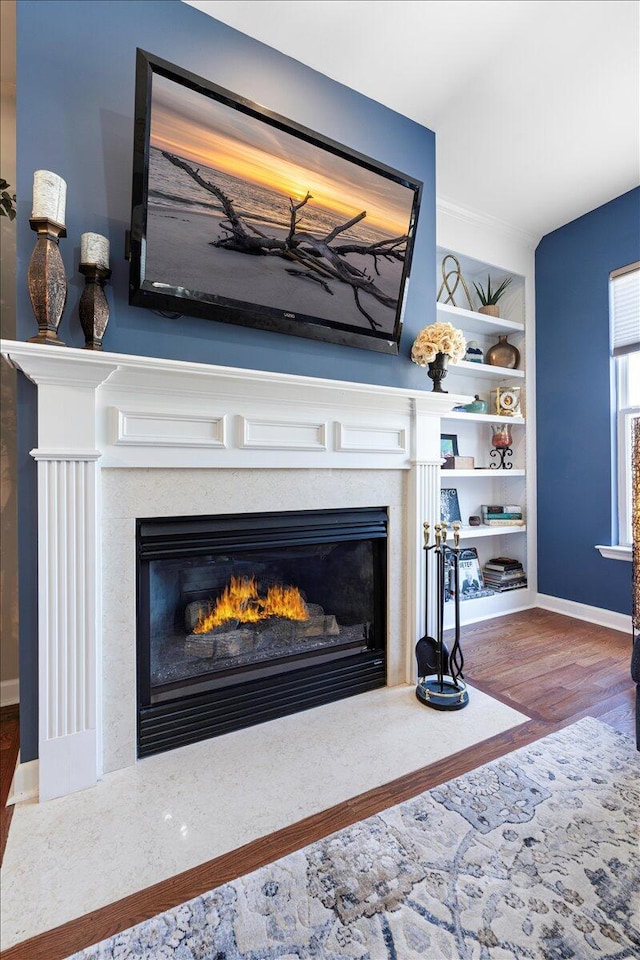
{"x": 122, "y": 437}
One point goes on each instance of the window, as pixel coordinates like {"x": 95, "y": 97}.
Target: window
{"x": 625, "y": 339}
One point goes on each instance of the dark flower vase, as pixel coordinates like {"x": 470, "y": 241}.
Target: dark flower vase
{"x": 438, "y": 370}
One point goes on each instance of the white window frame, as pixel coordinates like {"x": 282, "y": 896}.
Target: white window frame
{"x": 623, "y": 449}
{"x": 625, "y": 418}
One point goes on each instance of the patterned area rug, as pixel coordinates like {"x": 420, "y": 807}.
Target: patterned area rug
{"x": 535, "y": 855}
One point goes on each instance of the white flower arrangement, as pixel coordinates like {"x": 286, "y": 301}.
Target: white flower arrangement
{"x": 438, "y": 338}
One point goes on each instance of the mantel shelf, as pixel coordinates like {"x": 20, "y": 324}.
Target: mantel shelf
{"x": 472, "y": 322}
{"x": 43, "y": 363}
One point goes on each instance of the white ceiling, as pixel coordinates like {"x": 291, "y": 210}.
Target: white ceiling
{"x": 535, "y": 103}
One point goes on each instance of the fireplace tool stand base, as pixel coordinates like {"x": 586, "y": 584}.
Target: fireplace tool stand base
{"x": 449, "y": 695}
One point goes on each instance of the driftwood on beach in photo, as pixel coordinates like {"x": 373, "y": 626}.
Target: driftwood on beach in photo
{"x": 318, "y": 259}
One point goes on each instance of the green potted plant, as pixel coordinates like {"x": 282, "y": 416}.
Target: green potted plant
{"x": 7, "y": 201}
{"x": 489, "y": 298}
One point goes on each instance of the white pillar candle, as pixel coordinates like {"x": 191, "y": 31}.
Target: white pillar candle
{"x": 49, "y": 196}
{"x": 94, "y": 249}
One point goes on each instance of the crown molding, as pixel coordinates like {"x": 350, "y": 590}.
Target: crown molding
{"x": 477, "y": 217}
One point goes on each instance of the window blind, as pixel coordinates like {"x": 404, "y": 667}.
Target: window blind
{"x": 625, "y": 309}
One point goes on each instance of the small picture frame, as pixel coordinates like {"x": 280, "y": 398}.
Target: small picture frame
{"x": 449, "y": 505}
{"x": 448, "y": 445}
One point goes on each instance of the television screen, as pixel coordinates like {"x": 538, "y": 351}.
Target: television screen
{"x": 244, "y": 217}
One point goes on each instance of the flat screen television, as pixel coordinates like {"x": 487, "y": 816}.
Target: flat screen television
{"x": 242, "y": 216}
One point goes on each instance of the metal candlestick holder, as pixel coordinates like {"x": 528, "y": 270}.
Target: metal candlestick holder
{"x": 46, "y": 280}
{"x": 501, "y": 440}
{"x": 93, "y": 307}
{"x": 445, "y": 689}
{"x": 501, "y": 453}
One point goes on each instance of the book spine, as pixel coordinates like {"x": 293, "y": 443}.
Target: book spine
{"x": 504, "y": 574}
{"x": 505, "y": 584}
{"x": 502, "y": 516}
{"x": 501, "y": 508}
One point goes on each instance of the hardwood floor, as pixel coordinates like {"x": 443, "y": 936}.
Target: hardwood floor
{"x": 553, "y": 668}
{"x": 9, "y": 744}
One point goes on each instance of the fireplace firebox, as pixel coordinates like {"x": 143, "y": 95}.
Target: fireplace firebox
{"x": 245, "y": 618}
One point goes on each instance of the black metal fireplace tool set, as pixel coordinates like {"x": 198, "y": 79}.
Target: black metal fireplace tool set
{"x": 440, "y": 680}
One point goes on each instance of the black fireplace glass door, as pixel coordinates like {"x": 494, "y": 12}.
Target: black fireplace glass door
{"x": 216, "y": 613}
{"x": 238, "y": 599}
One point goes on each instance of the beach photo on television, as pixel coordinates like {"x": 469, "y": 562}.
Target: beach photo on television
{"x": 244, "y": 211}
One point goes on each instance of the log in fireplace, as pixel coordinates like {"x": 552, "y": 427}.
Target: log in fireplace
{"x": 245, "y": 618}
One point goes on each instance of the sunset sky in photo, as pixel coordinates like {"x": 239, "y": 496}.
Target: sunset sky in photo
{"x": 205, "y": 131}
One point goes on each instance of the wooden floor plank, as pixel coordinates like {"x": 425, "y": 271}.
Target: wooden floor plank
{"x": 9, "y": 745}
{"x": 534, "y": 661}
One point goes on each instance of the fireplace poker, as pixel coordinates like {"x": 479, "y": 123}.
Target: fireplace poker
{"x": 456, "y": 660}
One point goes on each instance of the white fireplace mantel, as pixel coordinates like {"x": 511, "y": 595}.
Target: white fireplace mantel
{"x": 105, "y": 410}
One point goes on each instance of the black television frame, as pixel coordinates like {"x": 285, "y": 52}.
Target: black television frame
{"x": 179, "y": 300}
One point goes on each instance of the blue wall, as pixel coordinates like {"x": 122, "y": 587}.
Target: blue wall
{"x": 75, "y": 83}
{"x": 573, "y": 403}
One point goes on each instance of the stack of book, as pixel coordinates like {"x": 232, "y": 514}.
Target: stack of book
{"x": 502, "y": 515}
{"x": 504, "y": 573}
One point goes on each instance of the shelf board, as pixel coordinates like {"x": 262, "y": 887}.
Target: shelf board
{"x": 485, "y": 472}
{"x": 471, "y": 533}
{"x": 482, "y": 417}
{"x": 472, "y": 322}
{"x": 485, "y": 370}
{"x": 482, "y": 608}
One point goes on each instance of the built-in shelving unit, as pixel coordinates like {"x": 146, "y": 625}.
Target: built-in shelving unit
{"x": 484, "y": 484}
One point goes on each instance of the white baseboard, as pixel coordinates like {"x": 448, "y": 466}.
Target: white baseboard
{"x": 9, "y": 692}
{"x": 582, "y": 611}
{"x": 24, "y": 785}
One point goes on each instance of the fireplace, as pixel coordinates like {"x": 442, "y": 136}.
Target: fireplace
{"x": 195, "y": 440}
{"x": 245, "y": 618}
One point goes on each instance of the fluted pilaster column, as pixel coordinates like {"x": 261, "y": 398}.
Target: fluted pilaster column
{"x": 69, "y": 740}
{"x": 424, "y": 505}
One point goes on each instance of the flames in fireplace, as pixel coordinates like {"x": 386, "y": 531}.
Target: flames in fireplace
{"x": 241, "y": 601}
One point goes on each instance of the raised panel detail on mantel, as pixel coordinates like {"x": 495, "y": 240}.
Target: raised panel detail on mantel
{"x": 167, "y": 430}
{"x": 266, "y": 434}
{"x": 370, "y": 439}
